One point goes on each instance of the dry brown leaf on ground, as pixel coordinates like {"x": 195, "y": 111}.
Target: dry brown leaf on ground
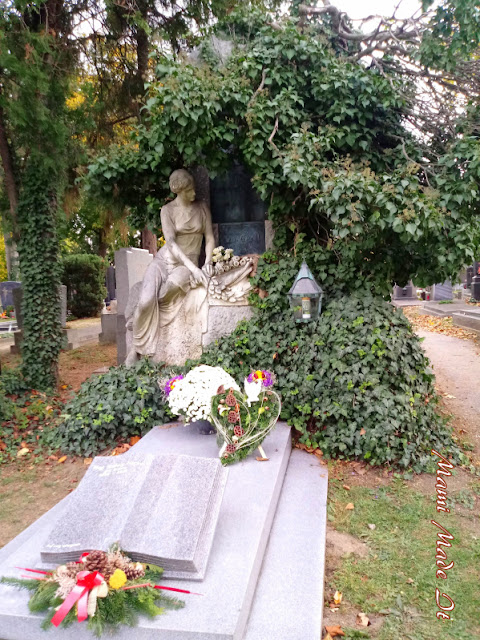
{"x": 335, "y": 630}
{"x": 134, "y": 440}
{"x": 346, "y": 487}
{"x": 350, "y": 506}
{"x": 22, "y": 452}
{"x": 436, "y": 325}
{"x": 337, "y": 597}
{"x": 262, "y": 459}
{"x": 62, "y": 459}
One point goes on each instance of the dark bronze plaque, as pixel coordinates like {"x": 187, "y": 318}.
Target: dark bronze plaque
{"x": 234, "y": 200}
{"x": 242, "y": 237}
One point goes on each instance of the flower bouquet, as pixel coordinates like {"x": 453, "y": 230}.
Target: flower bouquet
{"x": 243, "y": 420}
{"x": 105, "y": 588}
{"x": 190, "y": 396}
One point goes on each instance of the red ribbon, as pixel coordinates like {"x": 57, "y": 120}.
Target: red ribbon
{"x": 158, "y": 586}
{"x": 86, "y": 581}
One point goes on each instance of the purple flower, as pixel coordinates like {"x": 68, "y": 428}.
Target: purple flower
{"x": 266, "y": 377}
{"x": 170, "y": 385}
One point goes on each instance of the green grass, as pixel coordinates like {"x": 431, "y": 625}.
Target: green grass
{"x": 398, "y": 578}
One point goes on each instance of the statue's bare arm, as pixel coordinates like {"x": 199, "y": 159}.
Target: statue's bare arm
{"x": 209, "y": 237}
{"x": 170, "y": 236}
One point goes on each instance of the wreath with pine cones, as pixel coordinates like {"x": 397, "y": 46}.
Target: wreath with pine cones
{"x": 107, "y": 589}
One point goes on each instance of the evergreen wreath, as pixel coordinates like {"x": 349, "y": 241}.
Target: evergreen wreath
{"x": 112, "y": 597}
{"x": 244, "y": 420}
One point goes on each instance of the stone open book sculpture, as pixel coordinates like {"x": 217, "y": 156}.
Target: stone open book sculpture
{"x": 161, "y": 509}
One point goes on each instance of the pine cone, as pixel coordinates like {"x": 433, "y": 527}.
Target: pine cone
{"x": 96, "y": 561}
{"x": 72, "y": 568}
{"x": 116, "y": 560}
{"x": 134, "y": 571}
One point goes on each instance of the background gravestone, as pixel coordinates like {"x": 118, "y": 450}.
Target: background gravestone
{"x": 110, "y": 284}
{"x": 6, "y": 292}
{"x": 130, "y": 267}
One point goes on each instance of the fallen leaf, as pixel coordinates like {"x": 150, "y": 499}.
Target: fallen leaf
{"x": 22, "y": 452}
{"x": 262, "y": 459}
{"x": 346, "y": 487}
{"x": 122, "y": 448}
{"x": 335, "y": 630}
{"x": 64, "y": 386}
{"x": 363, "y": 620}
{"x": 327, "y": 637}
{"x": 61, "y": 460}
{"x": 319, "y": 453}
{"x": 372, "y": 527}
{"x": 449, "y": 395}
{"x": 350, "y": 506}
{"x": 362, "y": 431}
{"x": 334, "y": 609}
{"x": 87, "y": 461}
{"x": 337, "y": 597}
{"x": 3, "y": 446}
{"x": 53, "y": 457}
{"x": 410, "y": 580}
{"x": 134, "y": 440}
{"x": 23, "y": 444}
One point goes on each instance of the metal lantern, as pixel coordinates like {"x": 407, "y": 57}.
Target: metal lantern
{"x": 305, "y": 296}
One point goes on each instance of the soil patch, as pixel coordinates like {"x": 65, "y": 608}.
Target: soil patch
{"x": 26, "y": 493}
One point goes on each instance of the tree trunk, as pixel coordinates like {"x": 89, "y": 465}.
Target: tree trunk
{"x": 149, "y": 241}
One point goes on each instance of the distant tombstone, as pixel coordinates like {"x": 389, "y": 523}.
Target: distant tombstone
{"x": 130, "y": 267}
{"x": 443, "y": 291}
{"x": 404, "y": 292}
{"x": 110, "y": 284}
{"x": 238, "y": 212}
{"x": 6, "y": 292}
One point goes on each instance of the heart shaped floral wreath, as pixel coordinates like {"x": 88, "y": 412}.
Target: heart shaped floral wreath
{"x": 243, "y": 420}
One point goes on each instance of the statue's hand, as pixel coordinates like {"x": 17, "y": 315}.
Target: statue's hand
{"x": 209, "y": 269}
{"x": 199, "y": 278}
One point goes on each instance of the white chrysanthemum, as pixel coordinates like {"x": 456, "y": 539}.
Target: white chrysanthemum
{"x": 192, "y": 396}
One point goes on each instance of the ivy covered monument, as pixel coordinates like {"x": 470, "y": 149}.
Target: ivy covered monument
{"x": 359, "y": 180}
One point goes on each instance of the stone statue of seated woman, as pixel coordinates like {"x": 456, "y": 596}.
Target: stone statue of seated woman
{"x": 167, "y": 311}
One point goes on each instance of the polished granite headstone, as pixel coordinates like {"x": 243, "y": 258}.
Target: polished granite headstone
{"x": 161, "y": 509}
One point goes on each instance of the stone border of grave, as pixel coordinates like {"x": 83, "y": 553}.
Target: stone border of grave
{"x": 265, "y": 575}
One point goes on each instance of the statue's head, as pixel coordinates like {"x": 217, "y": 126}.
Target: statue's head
{"x": 182, "y": 182}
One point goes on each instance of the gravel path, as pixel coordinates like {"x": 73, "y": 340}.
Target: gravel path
{"x": 456, "y": 364}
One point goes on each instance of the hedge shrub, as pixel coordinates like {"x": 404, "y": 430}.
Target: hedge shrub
{"x": 354, "y": 383}
{"x": 84, "y": 275}
{"x": 121, "y": 403}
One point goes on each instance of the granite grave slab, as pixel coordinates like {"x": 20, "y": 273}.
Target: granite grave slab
{"x": 246, "y": 515}
{"x": 162, "y": 510}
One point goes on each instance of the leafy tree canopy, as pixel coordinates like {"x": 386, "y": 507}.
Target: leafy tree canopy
{"x": 335, "y": 147}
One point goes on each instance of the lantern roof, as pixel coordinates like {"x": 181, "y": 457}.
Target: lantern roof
{"x": 305, "y": 283}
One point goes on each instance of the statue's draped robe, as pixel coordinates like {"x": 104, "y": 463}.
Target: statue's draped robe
{"x": 167, "y": 281}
